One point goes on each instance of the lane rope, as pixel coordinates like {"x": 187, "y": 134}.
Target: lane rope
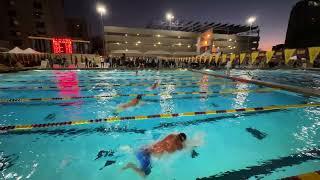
{"x": 108, "y": 75}
{"x": 161, "y": 116}
{"x": 226, "y": 91}
{"x": 102, "y": 80}
{"x": 111, "y": 85}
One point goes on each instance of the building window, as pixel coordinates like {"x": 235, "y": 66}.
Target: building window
{"x": 37, "y": 14}
{"x": 17, "y": 42}
{"x": 313, "y": 3}
{"x": 14, "y": 23}
{"x": 313, "y": 20}
{"x": 12, "y": 13}
{"x": 12, "y": 33}
{"x": 37, "y": 5}
{"x": 41, "y": 32}
{"x": 15, "y": 33}
{"x": 40, "y": 24}
{"x": 12, "y": 2}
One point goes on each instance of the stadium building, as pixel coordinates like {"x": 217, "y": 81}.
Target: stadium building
{"x": 185, "y": 38}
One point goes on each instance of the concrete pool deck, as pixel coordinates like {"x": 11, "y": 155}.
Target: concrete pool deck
{"x": 300, "y": 90}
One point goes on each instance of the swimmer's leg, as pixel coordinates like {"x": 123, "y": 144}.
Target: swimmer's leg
{"x": 135, "y": 169}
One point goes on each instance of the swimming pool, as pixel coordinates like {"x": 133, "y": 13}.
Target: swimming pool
{"x": 232, "y": 144}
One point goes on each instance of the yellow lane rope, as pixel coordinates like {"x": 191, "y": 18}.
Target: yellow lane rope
{"x": 157, "y": 116}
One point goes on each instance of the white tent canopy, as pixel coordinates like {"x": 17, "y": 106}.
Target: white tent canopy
{"x": 16, "y": 50}
{"x": 30, "y": 51}
{"x": 126, "y": 52}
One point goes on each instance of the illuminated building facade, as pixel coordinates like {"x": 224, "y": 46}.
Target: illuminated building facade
{"x": 186, "y": 39}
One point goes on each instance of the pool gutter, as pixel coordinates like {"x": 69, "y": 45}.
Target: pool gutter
{"x": 305, "y": 91}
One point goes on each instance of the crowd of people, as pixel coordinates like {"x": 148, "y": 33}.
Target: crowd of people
{"x": 141, "y": 62}
{"x": 154, "y": 62}
{"x": 137, "y": 62}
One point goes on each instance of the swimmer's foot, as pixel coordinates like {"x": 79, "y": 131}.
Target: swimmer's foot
{"x": 135, "y": 169}
{"x": 128, "y": 166}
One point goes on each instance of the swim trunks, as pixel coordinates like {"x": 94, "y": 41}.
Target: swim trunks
{"x": 144, "y": 158}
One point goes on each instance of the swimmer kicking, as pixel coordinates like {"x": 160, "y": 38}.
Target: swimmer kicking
{"x": 170, "y": 144}
{"x": 132, "y": 103}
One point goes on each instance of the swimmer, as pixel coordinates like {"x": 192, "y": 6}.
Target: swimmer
{"x": 132, "y": 103}
{"x": 155, "y": 85}
{"x": 170, "y": 144}
{"x": 137, "y": 73}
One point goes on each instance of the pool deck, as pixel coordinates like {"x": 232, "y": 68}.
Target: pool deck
{"x": 300, "y": 90}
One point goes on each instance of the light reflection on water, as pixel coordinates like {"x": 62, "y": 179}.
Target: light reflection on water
{"x": 240, "y": 100}
{"x": 166, "y": 102}
{"x": 307, "y": 133}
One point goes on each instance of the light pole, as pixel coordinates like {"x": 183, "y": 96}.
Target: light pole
{"x": 169, "y": 17}
{"x": 250, "y": 21}
{"x": 101, "y": 9}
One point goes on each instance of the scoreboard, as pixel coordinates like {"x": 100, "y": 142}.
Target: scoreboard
{"x": 62, "y": 45}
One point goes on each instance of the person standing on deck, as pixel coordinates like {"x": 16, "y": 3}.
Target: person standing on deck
{"x": 101, "y": 62}
{"x": 76, "y": 62}
{"x": 228, "y": 66}
{"x": 86, "y": 62}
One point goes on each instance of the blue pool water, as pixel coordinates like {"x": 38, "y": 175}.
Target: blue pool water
{"x": 226, "y": 149}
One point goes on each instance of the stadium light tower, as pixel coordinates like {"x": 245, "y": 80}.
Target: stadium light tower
{"x": 169, "y": 17}
{"x": 251, "y": 20}
{"x": 102, "y": 10}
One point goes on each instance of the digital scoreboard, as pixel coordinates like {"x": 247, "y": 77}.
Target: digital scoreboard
{"x": 62, "y": 45}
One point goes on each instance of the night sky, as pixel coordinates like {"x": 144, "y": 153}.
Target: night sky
{"x": 272, "y": 15}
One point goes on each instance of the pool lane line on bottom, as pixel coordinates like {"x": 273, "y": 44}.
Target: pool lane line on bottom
{"x": 226, "y": 91}
{"x": 112, "y": 85}
{"x": 307, "y": 176}
{"x": 161, "y": 116}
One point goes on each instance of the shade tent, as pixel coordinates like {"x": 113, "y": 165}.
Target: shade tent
{"x": 30, "y": 51}
{"x": 16, "y": 50}
{"x": 129, "y": 52}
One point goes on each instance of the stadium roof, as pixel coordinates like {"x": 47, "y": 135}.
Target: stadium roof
{"x": 198, "y": 27}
